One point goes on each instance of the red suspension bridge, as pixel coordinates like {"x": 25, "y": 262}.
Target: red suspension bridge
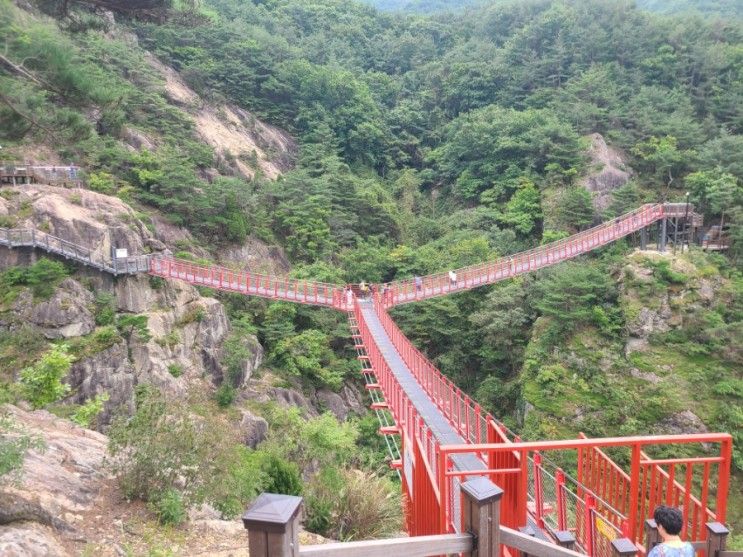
{"x": 439, "y": 437}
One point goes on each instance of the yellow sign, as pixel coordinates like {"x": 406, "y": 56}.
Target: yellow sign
{"x": 605, "y": 529}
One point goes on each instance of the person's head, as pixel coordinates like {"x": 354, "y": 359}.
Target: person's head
{"x": 669, "y": 520}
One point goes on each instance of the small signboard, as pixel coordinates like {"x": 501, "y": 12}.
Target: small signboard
{"x": 122, "y": 253}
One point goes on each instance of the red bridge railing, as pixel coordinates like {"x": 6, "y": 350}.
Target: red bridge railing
{"x": 439, "y": 284}
{"x": 610, "y": 502}
{"x": 266, "y": 286}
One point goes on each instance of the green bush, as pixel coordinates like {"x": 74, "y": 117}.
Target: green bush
{"x": 662, "y": 271}
{"x": 87, "y": 414}
{"x": 169, "y": 508}
{"x": 42, "y": 277}
{"x": 282, "y": 476}
{"x": 42, "y": 382}
{"x": 350, "y": 504}
{"x": 166, "y": 445}
{"x": 176, "y": 370}
{"x": 105, "y": 309}
{"x": 241, "y": 481}
{"x": 225, "y": 395}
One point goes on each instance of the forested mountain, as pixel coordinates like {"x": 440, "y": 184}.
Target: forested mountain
{"x": 353, "y": 144}
{"x": 724, "y": 8}
{"x": 423, "y": 6}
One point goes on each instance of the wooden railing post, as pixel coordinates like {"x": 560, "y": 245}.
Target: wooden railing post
{"x": 481, "y": 516}
{"x": 272, "y": 522}
{"x": 565, "y": 539}
{"x": 527, "y": 531}
{"x": 652, "y": 536}
{"x": 623, "y": 547}
{"x": 716, "y": 538}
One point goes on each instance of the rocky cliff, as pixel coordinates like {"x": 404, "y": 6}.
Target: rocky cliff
{"x": 186, "y": 331}
{"x": 65, "y": 503}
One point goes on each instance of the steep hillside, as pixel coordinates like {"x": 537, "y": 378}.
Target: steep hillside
{"x": 325, "y": 139}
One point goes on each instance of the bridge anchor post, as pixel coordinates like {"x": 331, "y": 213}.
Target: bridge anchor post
{"x": 272, "y": 522}
{"x": 481, "y": 516}
{"x": 652, "y": 536}
{"x": 623, "y": 547}
{"x": 716, "y": 538}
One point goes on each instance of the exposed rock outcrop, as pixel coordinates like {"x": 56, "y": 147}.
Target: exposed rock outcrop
{"x": 80, "y": 216}
{"x": 253, "y": 429}
{"x": 240, "y": 139}
{"x": 58, "y": 482}
{"x": 66, "y": 314}
{"x": 186, "y": 330}
{"x": 608, "y": 172}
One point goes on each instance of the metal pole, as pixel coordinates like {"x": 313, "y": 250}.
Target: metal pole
{"x": 686, "y": 223}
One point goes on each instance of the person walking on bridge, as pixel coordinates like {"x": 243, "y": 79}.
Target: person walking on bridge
{"x": 418, "y": 283}
{"x": 364, "y": 289}
{"x": 670, "y": 521}
{"x": 452, "y": 278}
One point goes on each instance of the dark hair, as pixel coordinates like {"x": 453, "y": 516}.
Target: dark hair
{"x": 670, "y": 518}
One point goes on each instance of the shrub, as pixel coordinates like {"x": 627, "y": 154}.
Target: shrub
{"x": 193, "y": 315}
{"x": 42, "y": 382}
{"x": 164, "y": 445}
{"x": 42, "y": 277}
{"x": 102, "y": 182}
{"x": 87, "y": 414}
{"x": 662, "y": 271}
{"x": 176, "y": 370}
{"x": 282, "y": 476}
{"x": 241, "y": 481}
{"x": 105, "y": 311}
{"x": 353, "y": 505}
{"x": 169, "y": 340}
{"x": 169, "y": 508}
{"x": 225, "y": 395}
{"x": 132, "y": 326}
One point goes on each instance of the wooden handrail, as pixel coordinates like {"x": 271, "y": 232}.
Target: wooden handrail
{"x": 534, "y": 546}
{"x": 420, "y": 546}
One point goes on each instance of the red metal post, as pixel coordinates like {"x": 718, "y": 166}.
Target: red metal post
{"x": 562, "y": 514}
{"x": 634, "y": 495}
{"x": 538, "y": 493}
{"x": 590, "y": 505}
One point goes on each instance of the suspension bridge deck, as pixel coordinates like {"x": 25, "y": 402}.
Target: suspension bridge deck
{"x": 442, "y": 430}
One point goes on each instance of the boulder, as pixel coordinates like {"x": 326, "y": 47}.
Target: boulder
{"x": 290, "y": 397}
{"x": 681, "y": 423}
{"x": 253, "y": 429}
{"x": 333, "y": 402}
{"x": 28, "y": 539}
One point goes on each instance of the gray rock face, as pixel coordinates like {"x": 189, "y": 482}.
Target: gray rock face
{"x": 61, "y": 480}
{"x": 253, "y": 429}
{"x": 611, "y": 172}
{"x": 341, "y": 404}
{"x": 290, "y": 397}
{"x": 682, "y": 423}
{"x": 109, "y": 372}
{"x": 66, "y": 314}
{"x": 651, "y": 321}
{"x": 333, "y": 402}
{"x": 187, "y": 330}
{"x": 28, "y": 539}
